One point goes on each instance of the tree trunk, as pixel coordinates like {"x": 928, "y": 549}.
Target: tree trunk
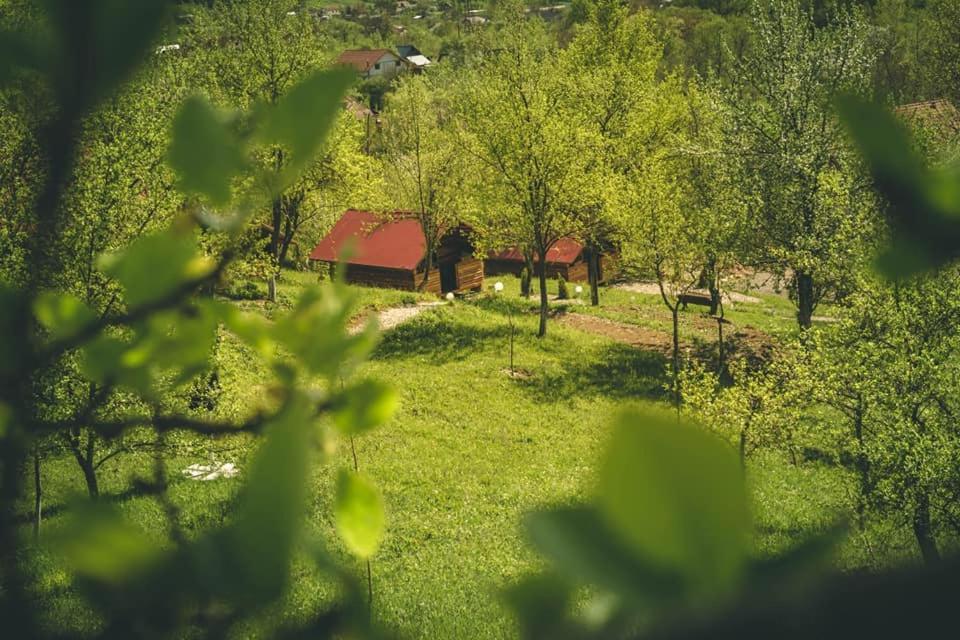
{"x": 427, "y": 266}
{"x": 37, "y": 496}
{"x": 721, "y": 355}
{"x": 923, "y": 530}
{"x": 285, "y": 241}
{"x": 525, "y": 285}
{"x": 85, "y": 461}
{"x": 862, "y": 464}
{"x": 593, "y": 274}
{"x": 542, "y": 276}
{"x": 675, "y": 313}
{"x": 713, "y": 286}
{"x": 804, "y": 299}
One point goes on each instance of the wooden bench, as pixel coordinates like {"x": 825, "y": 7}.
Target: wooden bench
{"x": 702, "y": 299}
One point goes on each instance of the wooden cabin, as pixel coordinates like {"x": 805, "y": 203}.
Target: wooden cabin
{"x": 567, "y": 258}
{"x": 390, "y": 251}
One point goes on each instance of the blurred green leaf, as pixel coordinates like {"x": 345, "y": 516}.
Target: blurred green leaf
{"x": 676, "y": 495}
{"x": 99, "y": 544}
{"x": 155, "y": 265}
{"x": 364, "y": 406}
{"x": 582, "y": 546}
{"x": 924, "y": 210}
{"x": 62, "y": 314}
{"x": 204, "y": 152}
{"x": 315, "y": 332}
{"x": 302, "y": 118}
{"x": 100, "y": 43}
{"x": 105, "y": 361}
{"x": 541, "y": 603}
{"x": 359, "y": 514}
{"x": 271, "y": 509}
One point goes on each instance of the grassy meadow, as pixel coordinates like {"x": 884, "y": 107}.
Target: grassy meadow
{"x": 469, "y": 452}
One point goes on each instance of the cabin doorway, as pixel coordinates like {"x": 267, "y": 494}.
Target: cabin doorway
{"x": 448, "y": 276}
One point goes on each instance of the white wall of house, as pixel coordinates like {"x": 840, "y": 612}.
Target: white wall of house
{"x": 387, "y": 65}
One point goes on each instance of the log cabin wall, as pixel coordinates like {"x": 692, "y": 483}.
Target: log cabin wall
{"x": 469, "y": 274}
{"x": 380, "y": 277}
{"x": 433, "y": 280}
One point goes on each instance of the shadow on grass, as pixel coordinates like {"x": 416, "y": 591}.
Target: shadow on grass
{"x": 443, "y": 338}
{"x": 617, "y": 371}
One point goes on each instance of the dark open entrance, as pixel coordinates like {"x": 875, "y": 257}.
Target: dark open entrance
{"x": 448, "y": 276}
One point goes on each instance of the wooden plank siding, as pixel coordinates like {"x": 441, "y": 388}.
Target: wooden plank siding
{"x": 433, "y": 280}
{"x": 380, "y": 277}
{"x": 470, "y": 274}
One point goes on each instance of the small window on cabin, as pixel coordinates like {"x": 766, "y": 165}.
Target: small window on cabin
{"x": 377, "y": 66}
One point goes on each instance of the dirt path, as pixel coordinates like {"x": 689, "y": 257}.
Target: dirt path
{"x": 620, "y": 331}
{"x": 390, "y": 318}
{"x": 651, "y": 288}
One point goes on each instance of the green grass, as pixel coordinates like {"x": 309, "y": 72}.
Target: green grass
{"x": 470, "y": 451}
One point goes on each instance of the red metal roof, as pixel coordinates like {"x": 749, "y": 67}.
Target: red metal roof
{"x": 362, "y": 59}
{"x": 394, "y": 242}
{"x": 563, "y": 251}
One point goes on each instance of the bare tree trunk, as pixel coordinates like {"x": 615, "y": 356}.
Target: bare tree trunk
{"x": 593, "y": 275}
{"x": 542, "y": 275}
{"x": 804, "y": 299}
{"x": 525, "y": 285}
{"x": 713, "y": 285}
{"x": 675, "y": 313}
{"x": 923, "y": 530}
{"x": 85, "y": 459}
{"x": 285, "y": 241}
{"x": 427, "y": 267}
{"x": 37, "y": 495}
{"x": 862, "y": 464}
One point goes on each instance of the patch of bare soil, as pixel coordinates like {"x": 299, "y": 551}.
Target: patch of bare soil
{"x": 756, "y": 346}
{"x": 633, "y": 335}
{"x": 517, "y": 373}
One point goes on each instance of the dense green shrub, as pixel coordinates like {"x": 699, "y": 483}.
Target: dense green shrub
{"x": 562, "y": 292}
{"x": 524, "y": 282}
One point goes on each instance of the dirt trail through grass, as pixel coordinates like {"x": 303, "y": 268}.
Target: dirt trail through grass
{"x": 390, "y": 318}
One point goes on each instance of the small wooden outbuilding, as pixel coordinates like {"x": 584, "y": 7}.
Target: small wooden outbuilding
{"x": 390, "y": 251}
{"x": 567, "y": 257}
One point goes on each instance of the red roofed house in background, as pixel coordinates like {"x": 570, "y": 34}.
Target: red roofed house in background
{"x": 566, "y": 258}
{"x": 389, "y": 251}
{"x": 371, "y": 62}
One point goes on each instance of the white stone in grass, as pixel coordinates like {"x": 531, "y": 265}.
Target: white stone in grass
{"x": 498, "y": 287}
{"x": 205, "y": 472}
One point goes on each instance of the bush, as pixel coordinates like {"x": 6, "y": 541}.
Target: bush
{"x": 524, "y": 282}
{"x": 562, "y": 293}
{"x": 246, "y": 290}
{"x": 408, "y": 299}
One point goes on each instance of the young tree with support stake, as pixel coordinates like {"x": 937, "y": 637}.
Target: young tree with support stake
{"x": 534, "y": 157}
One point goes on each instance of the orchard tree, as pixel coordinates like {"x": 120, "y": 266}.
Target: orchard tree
{"x": 252, "y": 53}
{"x": 422, "y": 162}
{"x": 609, "y": 71}
{"x": 816, "y": 217}
{"x": 534, "y": 158}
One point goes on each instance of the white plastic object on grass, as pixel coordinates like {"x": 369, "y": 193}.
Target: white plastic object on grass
{"x": 450, "y": 296}
{"x": 498, "y": 287}
{"x": 578, "y": 289}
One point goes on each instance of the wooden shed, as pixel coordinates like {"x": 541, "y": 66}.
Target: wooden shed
{"x": 390, "y": 251}
{"x": 567, "y": 258}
